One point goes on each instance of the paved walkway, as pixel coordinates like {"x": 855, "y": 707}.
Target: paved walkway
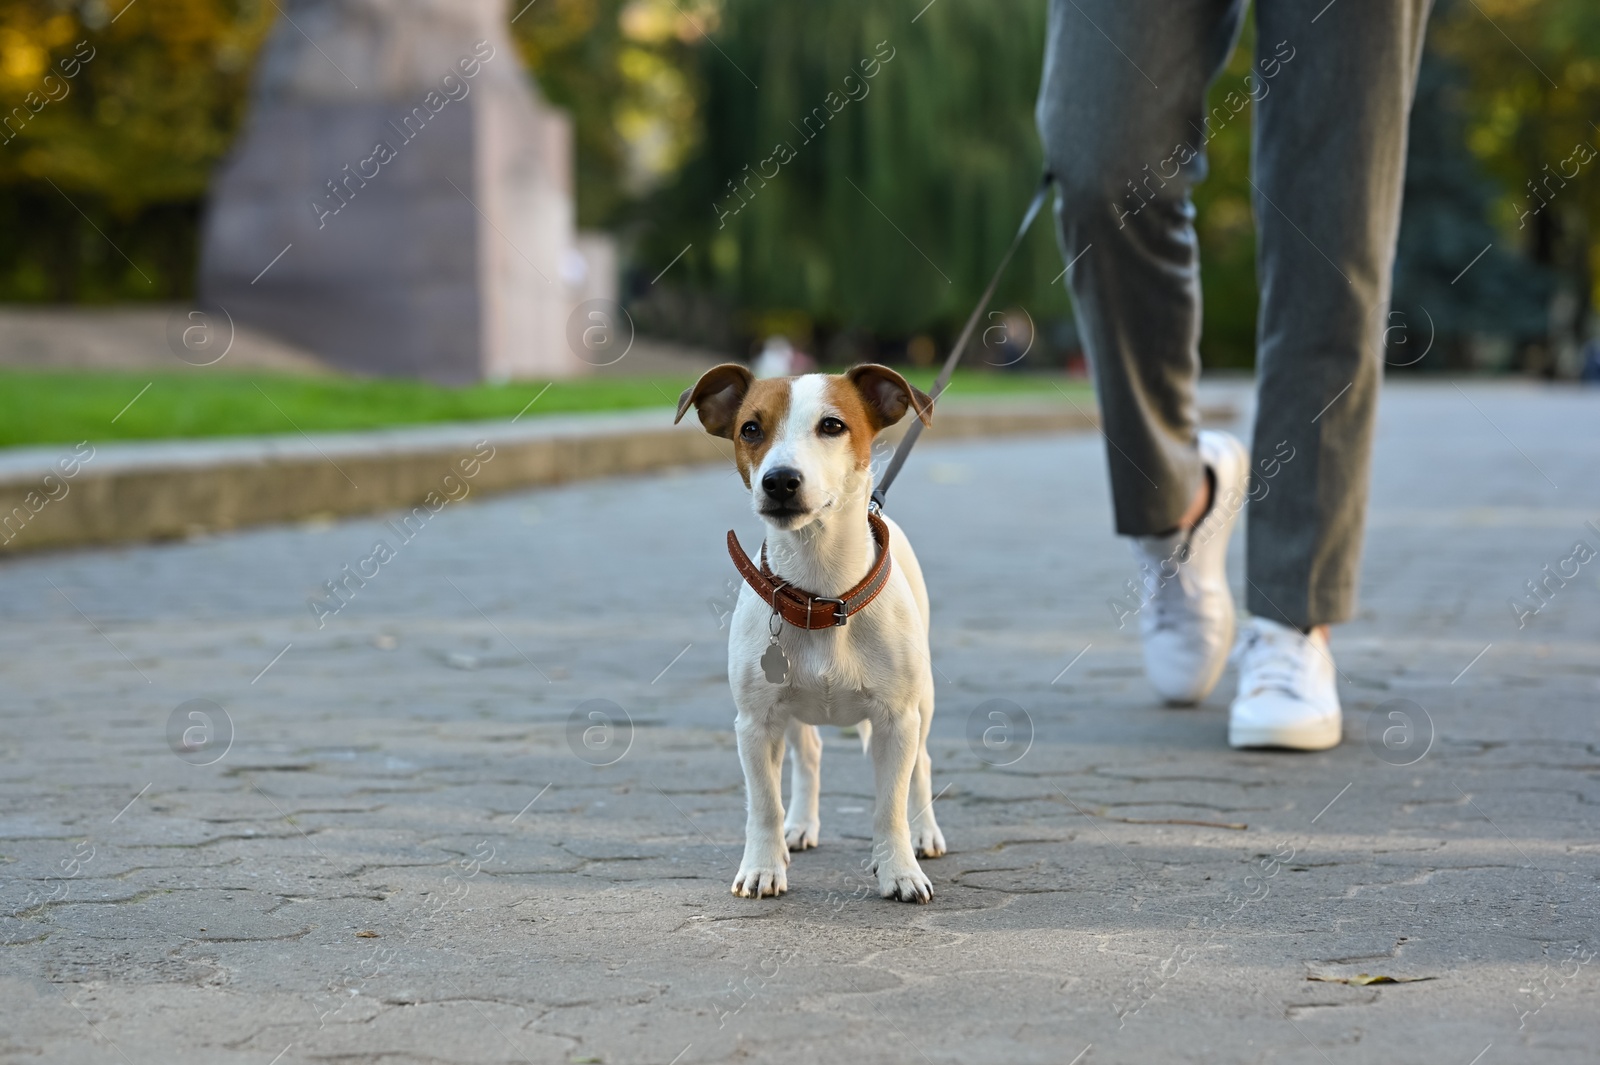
{"x": 409, "y": 853}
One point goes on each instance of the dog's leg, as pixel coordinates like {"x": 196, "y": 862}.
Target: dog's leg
{"x": 802, "y": 826}
{"x": 925, "y": 834}
{"x": 895, "y": 742}
{"x": 762, "y": 872}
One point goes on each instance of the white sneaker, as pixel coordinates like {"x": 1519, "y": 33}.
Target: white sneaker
{"x": 1186, "y": 613}
{"x": 1288, "y": 696}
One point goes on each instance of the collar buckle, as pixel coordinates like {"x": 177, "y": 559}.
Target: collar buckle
{"x": 840, "y": 616}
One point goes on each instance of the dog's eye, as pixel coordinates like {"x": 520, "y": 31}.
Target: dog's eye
{"x": 750, "y": 431}
{"x": 830, "y": 427}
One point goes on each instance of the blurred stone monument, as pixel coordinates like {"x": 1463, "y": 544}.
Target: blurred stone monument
{"x": 400, "y": 200}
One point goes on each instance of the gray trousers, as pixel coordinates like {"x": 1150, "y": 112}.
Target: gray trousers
{"x": 1122, "y": 115}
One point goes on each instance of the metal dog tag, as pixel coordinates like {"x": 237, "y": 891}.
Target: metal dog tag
{"x": 774, "y": 663}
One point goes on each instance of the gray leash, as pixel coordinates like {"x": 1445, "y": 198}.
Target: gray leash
{"x": 909, "y": 440}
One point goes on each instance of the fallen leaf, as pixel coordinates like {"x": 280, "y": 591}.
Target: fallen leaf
{"x": 367, "y": 935}
{"x": 1362, "y": 979}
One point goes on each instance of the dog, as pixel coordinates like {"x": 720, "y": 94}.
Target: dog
{"x": 837, "y": 633}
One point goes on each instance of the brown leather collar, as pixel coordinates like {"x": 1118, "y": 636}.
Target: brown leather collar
{"x": 802, "y": 609}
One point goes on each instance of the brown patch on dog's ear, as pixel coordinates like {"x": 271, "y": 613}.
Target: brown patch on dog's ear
{"x": 716, "y": 397}
{"x": 887, "y": 395}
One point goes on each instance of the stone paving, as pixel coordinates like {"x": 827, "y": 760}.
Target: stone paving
{"x": 230, "y": 836}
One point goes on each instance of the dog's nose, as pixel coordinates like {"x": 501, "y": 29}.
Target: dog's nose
{"x": 781, "y": 483}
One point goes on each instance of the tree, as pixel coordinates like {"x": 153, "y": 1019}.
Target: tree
{"x": 1455, "y": 275}
{"x": 876, "y": 175}
{"x": 1533, "y": 95}
{"x": 104, "y": 167}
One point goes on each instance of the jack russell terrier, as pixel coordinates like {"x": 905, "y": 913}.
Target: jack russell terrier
{"x": 804, "y": 448}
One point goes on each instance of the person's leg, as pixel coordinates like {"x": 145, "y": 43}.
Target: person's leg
{"x": 1329, "y": 161}
{"x": 1121, "y": 113}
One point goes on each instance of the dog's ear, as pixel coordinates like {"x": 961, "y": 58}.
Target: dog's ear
{"x": 888, "y": 395}
{"x": 716, "y": 397}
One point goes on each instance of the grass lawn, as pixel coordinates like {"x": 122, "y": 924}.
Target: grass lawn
{"x": 50, "y": 407}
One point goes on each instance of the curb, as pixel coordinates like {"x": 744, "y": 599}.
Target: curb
{"x": 59, "y": 496}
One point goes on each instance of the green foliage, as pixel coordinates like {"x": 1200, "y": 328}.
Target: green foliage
{"x": 624, "y": 70}
{"x": 900, "y": 190}
{"x": 1445, "y": 227}
{"x": 1531, "y": 98}
{"x": 102, "y": 169}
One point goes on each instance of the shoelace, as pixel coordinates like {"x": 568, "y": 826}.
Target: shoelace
{"x": 1270, "y": 662}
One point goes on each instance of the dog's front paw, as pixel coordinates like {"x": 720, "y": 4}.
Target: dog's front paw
{"x": 906, "y": 883}
{"x": 928, "y": 840}
{"x": 757, "y": 880}
{"x": 801, "y": 837}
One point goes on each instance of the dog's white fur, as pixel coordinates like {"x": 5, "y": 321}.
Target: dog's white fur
{"x": 873, "y": 672}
